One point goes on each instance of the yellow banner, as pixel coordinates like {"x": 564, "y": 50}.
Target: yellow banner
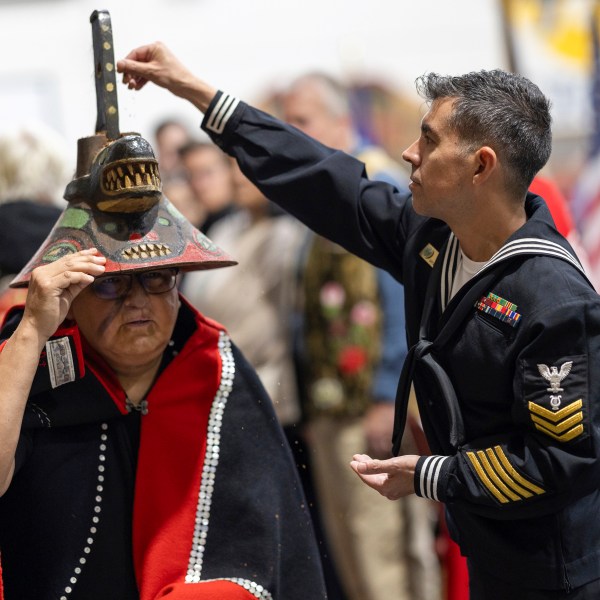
{"x": 550, "y": 42}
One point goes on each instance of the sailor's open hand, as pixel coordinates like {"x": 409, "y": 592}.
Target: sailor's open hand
{"x": 392, "y": 478}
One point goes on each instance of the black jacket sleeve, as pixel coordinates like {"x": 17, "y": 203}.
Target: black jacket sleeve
{"x": 326, "y": 189}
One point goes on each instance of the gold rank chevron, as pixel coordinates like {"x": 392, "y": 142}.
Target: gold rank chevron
{"x": 562, "y": 425}
{"x": 500, "y": 478}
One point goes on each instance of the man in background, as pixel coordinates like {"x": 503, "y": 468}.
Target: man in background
{"x": 207, "y": 170}
{"x": 170, "y": 136}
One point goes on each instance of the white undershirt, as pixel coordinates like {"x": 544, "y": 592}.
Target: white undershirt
{"x": 465, "y": 271}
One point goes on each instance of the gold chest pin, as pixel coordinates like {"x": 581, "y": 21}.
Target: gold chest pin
{"x": 429, "y": 254}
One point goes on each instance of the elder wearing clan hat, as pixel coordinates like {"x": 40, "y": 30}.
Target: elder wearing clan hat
{"x": 140, "y": 456}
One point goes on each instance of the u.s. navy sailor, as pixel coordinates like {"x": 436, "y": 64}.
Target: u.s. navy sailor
{"x": 503, "y": 324}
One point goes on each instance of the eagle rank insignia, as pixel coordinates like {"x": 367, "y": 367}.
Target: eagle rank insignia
{"x": 554, "y": 391}
{"x": 554, "y": 376}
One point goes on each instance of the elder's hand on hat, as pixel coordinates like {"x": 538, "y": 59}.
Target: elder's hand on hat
{"x": 53, "y": 287}
{"x": 156, "y": 63}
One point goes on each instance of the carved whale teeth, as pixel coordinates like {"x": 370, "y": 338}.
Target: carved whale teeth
{"x": 131, "y": 175}
{"x": 147, "y": 250}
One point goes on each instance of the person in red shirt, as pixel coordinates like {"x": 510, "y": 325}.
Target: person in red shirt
{"x": 561, "y": 213}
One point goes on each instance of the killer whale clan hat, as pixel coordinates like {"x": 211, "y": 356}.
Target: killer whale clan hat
{"x": 115, "y": 201}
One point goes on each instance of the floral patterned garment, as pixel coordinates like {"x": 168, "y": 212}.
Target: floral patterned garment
{"x": 342, "y": 330}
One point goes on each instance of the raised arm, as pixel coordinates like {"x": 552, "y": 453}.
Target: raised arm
{"x": 156, "y": 63}
{"x": 326, "y": 189}
{"x": 52, "y": 289}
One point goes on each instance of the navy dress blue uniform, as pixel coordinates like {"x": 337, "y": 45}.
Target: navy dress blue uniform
{"x": 504, "y": 371}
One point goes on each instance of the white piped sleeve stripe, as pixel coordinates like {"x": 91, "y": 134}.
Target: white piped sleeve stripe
{"x": 429, "y": 477}
{"x": 222, "y": 111}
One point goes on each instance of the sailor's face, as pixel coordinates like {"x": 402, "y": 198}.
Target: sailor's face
{"x": 440, "y": 177}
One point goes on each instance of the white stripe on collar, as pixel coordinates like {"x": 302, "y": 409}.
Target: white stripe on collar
{"x": 533, "y": 246}
{"x": 449, "y": 267}
{"x": 221, "y": 113}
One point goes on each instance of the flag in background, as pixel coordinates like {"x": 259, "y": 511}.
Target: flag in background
{"x": 595, "y": 42}
{"x": 548, "y": 41}
{"x": 585, "y": 201}
{"x": 555, "y": 43}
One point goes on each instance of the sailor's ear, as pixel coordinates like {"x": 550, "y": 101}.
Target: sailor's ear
{"x": 486, "y": 162}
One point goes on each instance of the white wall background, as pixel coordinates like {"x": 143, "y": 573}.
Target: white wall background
{"x": 243, "y": 46}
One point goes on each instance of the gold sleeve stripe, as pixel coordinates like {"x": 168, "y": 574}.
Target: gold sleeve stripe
{"x": 565, "y": 437}
{"x": 560, "y": 427}
{"x": 494, "y": 477}
{"x": 505, "y": 476}
{"x": 558, "y": 415}
{"x": 513, "y": 473}
{"x": 485, "y": 480}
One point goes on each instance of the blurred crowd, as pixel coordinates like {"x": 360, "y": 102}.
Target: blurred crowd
{"x": 323, "y": 329}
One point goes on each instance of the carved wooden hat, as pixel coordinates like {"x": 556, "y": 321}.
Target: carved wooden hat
{"x": 119, "y": 208}
{"x": 115, "y": 201}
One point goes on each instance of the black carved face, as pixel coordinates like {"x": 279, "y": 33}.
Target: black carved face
{"x": 123, "y": 177}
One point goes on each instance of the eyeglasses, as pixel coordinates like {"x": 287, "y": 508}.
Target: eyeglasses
{"x": 112, "y": 287}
